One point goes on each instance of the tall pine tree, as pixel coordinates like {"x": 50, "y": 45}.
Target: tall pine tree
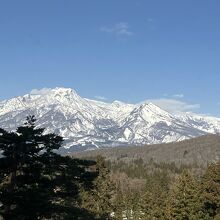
{"x": 99, "y": 199}
{"x": 184, "y": 202}
{"x": 211, "y": 190}
{"x": 154, "y": 195}
{"x": 37, "y": 183}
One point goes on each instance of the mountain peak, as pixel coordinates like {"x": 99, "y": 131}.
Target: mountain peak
{"x": 118, "y": 103}
{"x": 154, "y": 108}
{"x": 56, "y": 90}
{"x": 63, "y": 90}
{"x": 87, "y": 123}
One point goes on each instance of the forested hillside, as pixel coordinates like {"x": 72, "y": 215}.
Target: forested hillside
{"x": 201, "y": 151}
{"x": 37, "y": 183}
{"x": 167, "y": 181}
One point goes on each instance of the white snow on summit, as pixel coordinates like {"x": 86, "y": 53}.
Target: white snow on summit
{"x": 89, "y": 124}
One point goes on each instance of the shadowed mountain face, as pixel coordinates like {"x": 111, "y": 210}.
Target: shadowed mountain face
{"x": 88, "y": 124}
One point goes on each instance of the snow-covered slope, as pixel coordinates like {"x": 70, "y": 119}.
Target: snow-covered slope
{"x": 89, "y": 124}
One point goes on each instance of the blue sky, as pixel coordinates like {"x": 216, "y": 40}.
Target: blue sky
{"x": 130, "y": 50}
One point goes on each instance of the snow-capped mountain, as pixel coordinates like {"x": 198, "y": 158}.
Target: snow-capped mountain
{"x": 89, "y": 124}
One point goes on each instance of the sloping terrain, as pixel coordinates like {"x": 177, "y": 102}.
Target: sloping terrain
{"x": 89, "y": 124}
{"x": 201, "y": 151}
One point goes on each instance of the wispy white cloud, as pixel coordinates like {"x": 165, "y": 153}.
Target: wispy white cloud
{"x": 42, "y": 91}
{"x": 174, "y": 106}
{"x": 178, "y": 95}
{"x": 119, "y": 29}
{"x": 100, "y": 97}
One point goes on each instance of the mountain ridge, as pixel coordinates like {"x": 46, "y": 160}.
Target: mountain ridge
{"x": 90, "y": 124}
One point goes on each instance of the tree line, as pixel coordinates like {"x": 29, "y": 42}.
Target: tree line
{"x": 38, "y": 183}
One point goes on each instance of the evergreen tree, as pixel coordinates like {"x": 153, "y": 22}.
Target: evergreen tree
{"x": 99, "y": 199}
{"x": 132, "y": 205}
{"x": 37, "y": 183}
{"x": 211, "y": 190}
{"x": 126, "y": 205}
{"x": 154, "y": 195}
{"x": 184, "y": 202}
{"x": 119, "y": 204}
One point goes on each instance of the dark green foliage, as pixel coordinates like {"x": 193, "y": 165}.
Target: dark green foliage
{"x": 169, "y": 191}
{"x": 155, "y": 194}
{"x": 184, "y": 201}
{"x": 120, "y": 204}
{"x": 211, "y": 190}
{"x": 99, "y": 199}
{"x": 37, "y": 183}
